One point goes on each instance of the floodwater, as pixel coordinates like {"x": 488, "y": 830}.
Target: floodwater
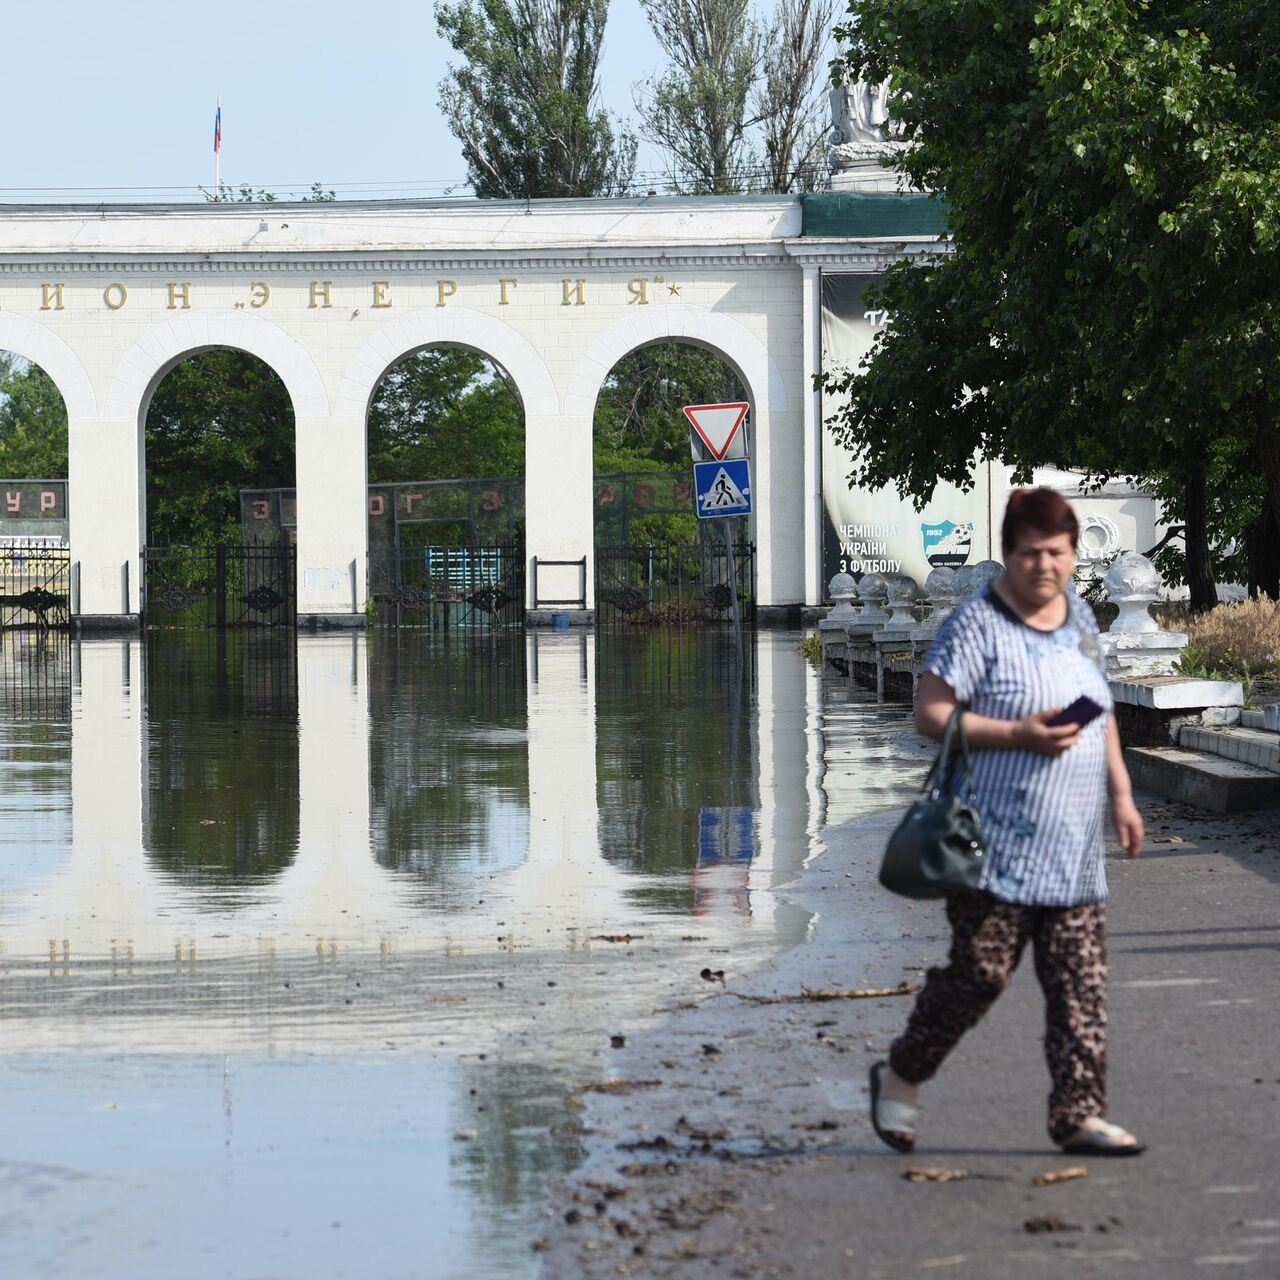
{"x": 308, "y": 950}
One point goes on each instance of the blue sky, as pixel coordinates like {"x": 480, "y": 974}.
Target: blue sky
{"x": 99, "y": 94}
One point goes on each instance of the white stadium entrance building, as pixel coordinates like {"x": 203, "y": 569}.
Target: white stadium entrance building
{"x": 108, "y": 299}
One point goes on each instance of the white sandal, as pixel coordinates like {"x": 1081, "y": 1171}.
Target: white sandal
{"x": 893, "y": 1121}
{"x": 1102, "y": 1139}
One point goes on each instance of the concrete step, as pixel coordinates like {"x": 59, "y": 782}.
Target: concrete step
{"x": 1207, "y": 781}
{"x": 1261, "y": 718}
{"x": 1248, "y": 746}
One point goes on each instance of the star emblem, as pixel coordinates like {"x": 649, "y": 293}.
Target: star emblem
{"x": 674, "y": 290}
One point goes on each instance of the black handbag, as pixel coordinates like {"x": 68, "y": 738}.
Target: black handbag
{"x": 938, "y": 848}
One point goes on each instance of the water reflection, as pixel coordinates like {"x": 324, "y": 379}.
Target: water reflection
{"x": 35, "y": 760}
{"x": 449, "y": 769}
{"x": 358, "y": 894}
{"x": 220, "y": 777}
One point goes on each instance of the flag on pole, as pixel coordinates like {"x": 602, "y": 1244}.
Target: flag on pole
{"x": 217, "y": 130}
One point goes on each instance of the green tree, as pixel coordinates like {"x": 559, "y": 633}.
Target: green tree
{"x": 696, "y": 111}
{"x": 33, "y": 423}
{"x": 219, "y": 422}
{"x": 741, "y": 105}
{"x": 790, "y": 99}
{"x": 1112, "y": 176}
{"x": 524, "y": 102}
{"x": 443, "y": 414}
{"x": 639, "y": 423}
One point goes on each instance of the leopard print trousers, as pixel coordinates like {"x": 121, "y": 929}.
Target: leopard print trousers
{"x": 988, "y": 937}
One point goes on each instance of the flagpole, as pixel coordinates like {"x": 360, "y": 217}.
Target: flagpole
{"x": 217, "y": 155}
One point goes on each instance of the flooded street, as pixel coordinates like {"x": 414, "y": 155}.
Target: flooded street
{"x": 309, "y": 951}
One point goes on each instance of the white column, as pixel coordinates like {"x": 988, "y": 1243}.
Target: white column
{"x": 564, "y": 881}
{"x": 558, "y": 507}
{"x": 332, "y": 486}
{"x": 107, "y": 508}
{"x": 811, "y": 332}
{"x": 108, "y": 895}
{"x": 335, "y": 890}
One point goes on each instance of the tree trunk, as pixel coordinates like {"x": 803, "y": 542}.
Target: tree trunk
{"x": 1262, "y": 545}
{"x": 1268, "y": 452}
{"x": 1204, "y": 594}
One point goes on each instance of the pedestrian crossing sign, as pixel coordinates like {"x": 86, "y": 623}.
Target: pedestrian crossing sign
{"x": 723, "y": 488}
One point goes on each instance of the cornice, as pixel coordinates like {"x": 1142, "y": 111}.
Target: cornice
{"x": 850, "y": 254}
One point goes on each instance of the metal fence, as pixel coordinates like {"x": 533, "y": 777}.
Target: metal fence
{"x": 431, "y": 586}
{"x": 35, "y": 585}
{"x": 221, "y": 586}
{"x": 688, "y": 585}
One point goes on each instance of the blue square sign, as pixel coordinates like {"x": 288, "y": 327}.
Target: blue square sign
{"x": 723, "y": 488}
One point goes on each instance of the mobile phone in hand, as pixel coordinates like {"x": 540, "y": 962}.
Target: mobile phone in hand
{"x": 1080, "y": 712}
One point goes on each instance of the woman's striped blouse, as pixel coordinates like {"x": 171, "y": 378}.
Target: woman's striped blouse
{"x": 1043, "y": 815}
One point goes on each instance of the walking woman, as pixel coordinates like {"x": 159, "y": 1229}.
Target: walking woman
{"x": 1013, "y": 656}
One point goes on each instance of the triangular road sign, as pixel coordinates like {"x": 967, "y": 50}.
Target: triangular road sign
{"x": 717, "y": 426}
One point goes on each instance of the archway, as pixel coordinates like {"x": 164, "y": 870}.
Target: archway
{"x": 35, "y": 577}
{"x": 218, "y": 432}
{"x": 446, "y": 453}
{"x": 655, "y": 560}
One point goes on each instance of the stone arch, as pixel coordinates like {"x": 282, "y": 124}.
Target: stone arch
{"x": 145, "y": 364}
{"x": 718, "y": 333}
{"x": 42, "y": 346}
{"x": 447, "y": 327}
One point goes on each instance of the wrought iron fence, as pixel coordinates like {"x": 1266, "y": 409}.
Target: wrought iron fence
{"x": 430, "y": 586}
{"x": 35, "y": 585}
{"x": 35, "y": 675}
{"x": 221, "y": 586}
{"x": 689, "y": 585}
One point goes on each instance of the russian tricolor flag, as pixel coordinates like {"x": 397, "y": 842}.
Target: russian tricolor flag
{"x": 217, "y": 130}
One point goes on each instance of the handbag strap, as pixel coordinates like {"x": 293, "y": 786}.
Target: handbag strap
{"x": 941, "y": 770}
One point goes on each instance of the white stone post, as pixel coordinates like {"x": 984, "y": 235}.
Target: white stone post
{"x": 1135, "y": 645}
{"x": 940, "y": 589}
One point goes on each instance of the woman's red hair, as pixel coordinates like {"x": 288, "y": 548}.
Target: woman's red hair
{"x": 1041, "y": 510}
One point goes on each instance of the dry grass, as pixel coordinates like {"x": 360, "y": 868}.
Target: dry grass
{"x": 1237, "y": 640}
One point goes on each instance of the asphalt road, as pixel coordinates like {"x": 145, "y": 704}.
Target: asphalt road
{"x": 738, "y": 1142}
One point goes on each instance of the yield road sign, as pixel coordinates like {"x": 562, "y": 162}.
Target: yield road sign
{"x": 722, "y": 488}
{"x": 716, "y": 430}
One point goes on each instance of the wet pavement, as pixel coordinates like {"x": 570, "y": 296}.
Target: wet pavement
{"x": 752, "y": 1154}
{"x": 310, "y": 955}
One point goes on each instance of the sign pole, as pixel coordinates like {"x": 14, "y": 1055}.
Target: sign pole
{"x": 733, "y": 583}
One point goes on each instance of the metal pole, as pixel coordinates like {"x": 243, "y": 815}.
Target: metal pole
{"x": 733, "y": 583}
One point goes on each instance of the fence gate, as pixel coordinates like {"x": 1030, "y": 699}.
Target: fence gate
{"x": 441, "y": 586}
{"x": 35, "y": 586}
{"x": 253, "y": 585}
{"x": 667, "y": 585}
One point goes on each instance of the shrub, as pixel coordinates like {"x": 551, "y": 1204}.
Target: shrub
{"x": 811, "y": 648}
{"x": 1239, "y": 641}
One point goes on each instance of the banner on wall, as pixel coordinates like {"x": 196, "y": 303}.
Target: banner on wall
{"x": 874, "y": 530}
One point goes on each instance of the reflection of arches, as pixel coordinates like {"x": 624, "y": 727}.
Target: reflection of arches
{"x": 156, "y": 353}
{"x": 718, "y": 333}
{"x": 33, "y": 342}
{"x": 447, "y": 327}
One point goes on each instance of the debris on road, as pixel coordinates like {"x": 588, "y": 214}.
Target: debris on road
{"x": 926, "y": 1174}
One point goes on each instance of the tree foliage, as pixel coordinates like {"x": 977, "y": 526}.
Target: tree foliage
{"x": 445, "y": 414}
{"x": 740, "y": 105}
{"x": 219, "y": 422}
{"x": 696, "y": 110}
{"x": 1112, "y": 176}
{"x": 33, "y": 423}
{"x": 524, "y": 101}
{"x": 639, "y": 419}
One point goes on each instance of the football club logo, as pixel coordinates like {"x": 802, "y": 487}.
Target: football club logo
{"x": 947, "y": 544}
